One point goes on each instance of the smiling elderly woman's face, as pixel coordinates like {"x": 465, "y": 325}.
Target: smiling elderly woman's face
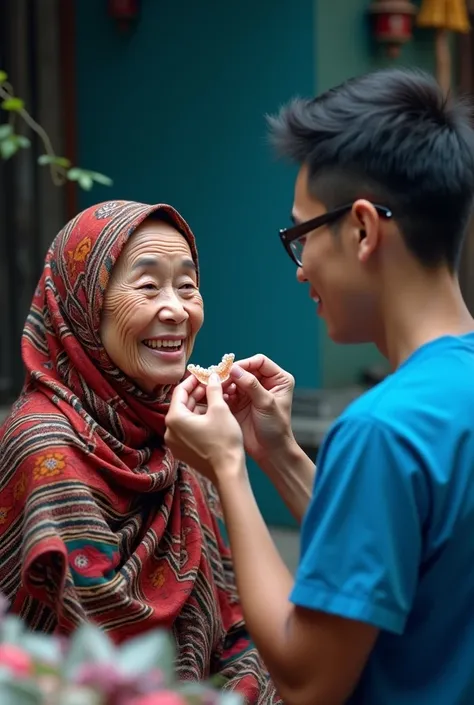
{"x": 152, "y": 308}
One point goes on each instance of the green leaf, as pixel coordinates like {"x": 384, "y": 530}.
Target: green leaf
{"x": 86, "y": 178}
{"x": 199, "y": 692}
{"x": 230, "y": 699}
{"x": 22, "y": 141}
{"x": 3, "y": 77}
{"x": 76, "y": 695}
{"x": 5, "y": 131}
{"x": 8, "y": 148}
{"x": 74, "y": 174}
{"x": 46, "y": 159}
{"x": 13, "y": 104}
{"x": 144, "y": 653}
{"x": 18, "y": 692}
{"x": 12, "y": 628}
{"x": 11, "y": 144}
{"x": 89, "y": 644}
{"x": 82, "y": 178}
{"x": 85, "y": 182}
{"x": 45, "y": 650}
{"x": 100, "y": 178}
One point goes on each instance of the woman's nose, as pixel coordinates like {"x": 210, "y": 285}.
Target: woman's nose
{"x": 172, "y": 311}
{"x": 300, "y": 275}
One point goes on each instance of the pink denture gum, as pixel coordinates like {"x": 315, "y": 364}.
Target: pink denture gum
{"x": 222, "y": 369}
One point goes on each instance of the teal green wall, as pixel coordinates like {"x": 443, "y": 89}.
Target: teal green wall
{"x": 174, "y": 112}
{"x": 343, "y": 49}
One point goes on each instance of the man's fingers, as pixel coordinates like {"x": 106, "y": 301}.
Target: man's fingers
{"x": 259, "y": 364}
{"x": 248, "y": 383}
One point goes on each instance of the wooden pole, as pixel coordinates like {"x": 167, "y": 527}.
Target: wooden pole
{"x": 443, "y": 59}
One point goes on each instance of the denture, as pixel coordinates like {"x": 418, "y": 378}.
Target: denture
{"x": 222, "y": 369}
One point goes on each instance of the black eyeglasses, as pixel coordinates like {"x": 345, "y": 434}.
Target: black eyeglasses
{"x": 291, "y": 237}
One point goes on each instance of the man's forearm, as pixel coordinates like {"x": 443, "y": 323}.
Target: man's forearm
{"x": 292, "y": 474}
{"x": 263, "y": 580}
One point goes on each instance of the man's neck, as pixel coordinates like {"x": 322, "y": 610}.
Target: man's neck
{"x": 420, "y": 309}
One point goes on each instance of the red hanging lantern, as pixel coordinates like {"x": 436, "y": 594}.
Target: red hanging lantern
{"x": 392, "y": 23}
{"x": 124, "y": 12}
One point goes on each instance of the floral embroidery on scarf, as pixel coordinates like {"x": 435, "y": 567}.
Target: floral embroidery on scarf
{"x": 80, "y": 252}
{"x": 91, "y": 563}
{"x": 48, "y": 465}
{"x": 157, "y": 578}
{"x": 107, "y": 209}
{"x": 19, "y": 488}
{"x": 4, "y": 514}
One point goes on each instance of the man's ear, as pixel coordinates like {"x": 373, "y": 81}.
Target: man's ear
{"x": 367, "y": 228}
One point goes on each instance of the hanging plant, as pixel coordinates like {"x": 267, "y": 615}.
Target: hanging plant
{"x": 61, "y": 168}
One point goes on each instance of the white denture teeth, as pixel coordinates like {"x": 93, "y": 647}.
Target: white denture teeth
{"x": 222, "y": 369}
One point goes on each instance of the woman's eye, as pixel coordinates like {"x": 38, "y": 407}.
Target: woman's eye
{"x": 189, "y": 286}
{"x": 148, "y": 287}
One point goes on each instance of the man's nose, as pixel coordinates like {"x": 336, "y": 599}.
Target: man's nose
{"x": 300, "y": 275}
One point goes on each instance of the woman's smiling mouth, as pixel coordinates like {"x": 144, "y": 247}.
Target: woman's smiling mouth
{"x": 168, "y": 348}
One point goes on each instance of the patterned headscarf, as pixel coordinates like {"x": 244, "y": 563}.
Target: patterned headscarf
{"x": 98, "y": 521}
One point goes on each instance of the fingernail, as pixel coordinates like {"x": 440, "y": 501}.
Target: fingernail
{"x": 236, "y": 372}
{"x": 214, "y": 378}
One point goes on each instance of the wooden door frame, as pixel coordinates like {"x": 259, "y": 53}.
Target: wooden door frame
{"x": 464, "y": 69}
{"x": 37, "y": 51}
{"x": 67, "y": 24}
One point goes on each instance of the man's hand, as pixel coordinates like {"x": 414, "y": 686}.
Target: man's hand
{"x": 208, "y": 440}
{"x": 261, "y": 403}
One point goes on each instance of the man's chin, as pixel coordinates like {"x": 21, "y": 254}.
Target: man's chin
{"x": 347, "y": 337}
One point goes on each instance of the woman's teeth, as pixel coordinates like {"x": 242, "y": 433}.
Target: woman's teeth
{"x": 171, "y": 345}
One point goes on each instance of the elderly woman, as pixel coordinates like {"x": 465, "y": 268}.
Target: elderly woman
{"x": 98, "y": 521}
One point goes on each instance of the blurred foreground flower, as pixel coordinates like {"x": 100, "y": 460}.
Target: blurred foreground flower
{"x": 38, "y": 669}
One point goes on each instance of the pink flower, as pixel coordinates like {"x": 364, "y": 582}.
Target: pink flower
{"x": 16, "y": 660}
{"x": 162, "y": 697}
{"x": 103, "y": 676}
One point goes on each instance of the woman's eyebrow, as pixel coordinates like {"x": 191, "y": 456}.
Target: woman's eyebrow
{"x": 154, "y": 263}
{"x": 189, "y": 264}
{"x": 145, "y": 263}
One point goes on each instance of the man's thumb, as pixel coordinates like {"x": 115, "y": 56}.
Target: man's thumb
{"x": 248, "y": 383}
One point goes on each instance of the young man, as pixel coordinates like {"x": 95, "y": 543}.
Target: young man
{"x": 382, "y": 608}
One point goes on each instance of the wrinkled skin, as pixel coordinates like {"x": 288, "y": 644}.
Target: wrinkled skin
{"x": 152, "y": 295}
